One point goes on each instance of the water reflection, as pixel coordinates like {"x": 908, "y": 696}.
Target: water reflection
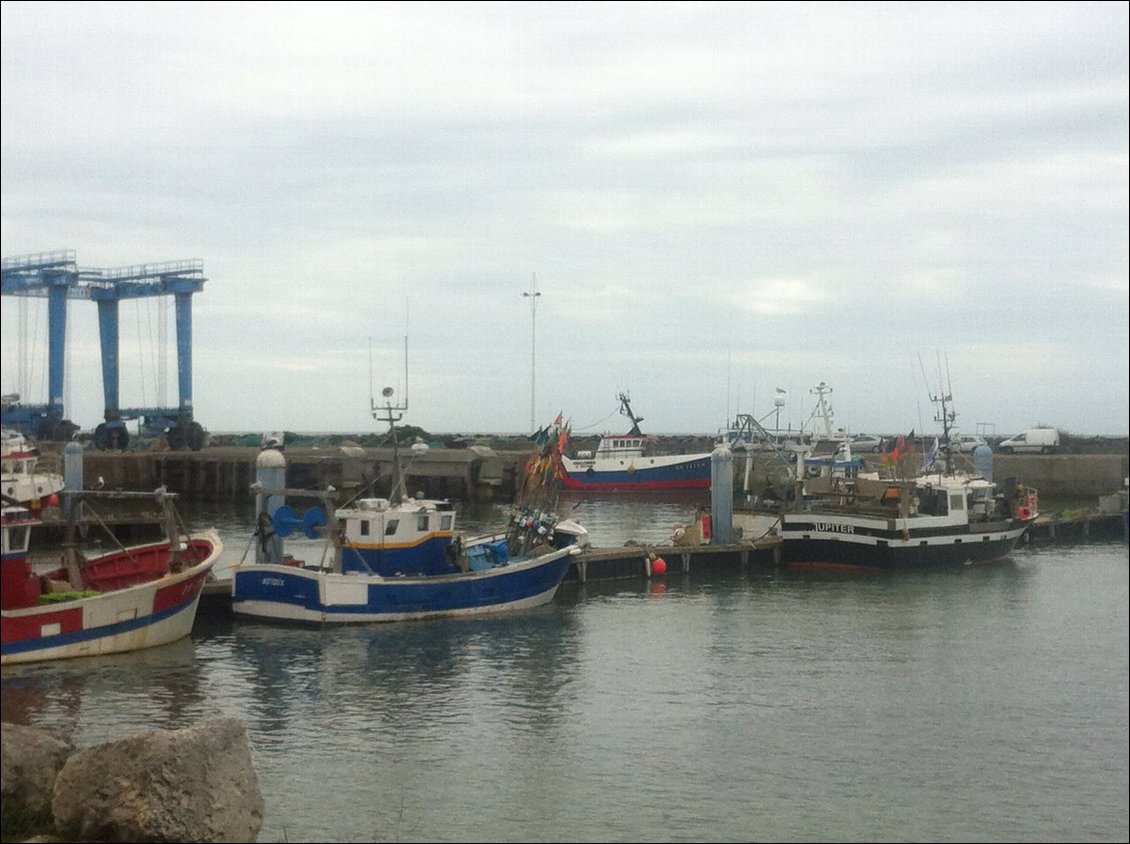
{"x": 738, "y": 704}
{"x": 60, "y": 694}
{"x": 402, "y": 676}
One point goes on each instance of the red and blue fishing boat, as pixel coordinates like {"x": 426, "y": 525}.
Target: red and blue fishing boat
{"x": 628, "y": 463}
{"x": 127, "y": 599}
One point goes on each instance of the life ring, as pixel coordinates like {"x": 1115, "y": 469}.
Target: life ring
{"x": 1023, "y": 513}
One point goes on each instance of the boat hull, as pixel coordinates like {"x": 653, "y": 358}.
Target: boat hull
{"x": 812, "y": 541}
{"x": 648, "y": 473}
{"x": 146, "y": 615}
{"x": 290, "y": 593}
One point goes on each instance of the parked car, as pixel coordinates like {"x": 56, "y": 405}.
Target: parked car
{"x": 1042, "y": 440}
{"x": 966, "y": 442}
{"x": 861, "y": 443}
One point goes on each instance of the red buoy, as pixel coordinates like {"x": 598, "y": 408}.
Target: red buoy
{"x": 658, "y": 566}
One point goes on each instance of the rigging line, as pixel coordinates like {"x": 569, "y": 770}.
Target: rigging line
{"x": 163, "y": 351}
{"x": 140, "y": 351}
{"x": 152, "y": 344}
{"x": 594, "y": 424}
{"x": 23, "y": 374}
{"x": 39, "y": 367}
{"x": 68, "y": 369}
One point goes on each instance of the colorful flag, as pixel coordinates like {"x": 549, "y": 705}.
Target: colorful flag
{"x": 898, "y": 448}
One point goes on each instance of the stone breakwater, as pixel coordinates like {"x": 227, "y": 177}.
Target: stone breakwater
{"x": 490, "y": 471}
{"x": 194, "y": 784}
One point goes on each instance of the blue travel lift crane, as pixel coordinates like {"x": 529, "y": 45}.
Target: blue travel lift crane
{"x": 56, "y": 276}
{"x": 52, "y": 275}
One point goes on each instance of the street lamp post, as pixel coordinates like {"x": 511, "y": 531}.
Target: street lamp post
{"x": 532, "y": 294}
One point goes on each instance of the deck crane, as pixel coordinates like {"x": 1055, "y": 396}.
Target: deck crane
{"x": 56, "y": 276}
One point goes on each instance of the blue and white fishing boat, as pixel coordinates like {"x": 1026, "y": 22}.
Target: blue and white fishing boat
{"x": 401, "y": 560}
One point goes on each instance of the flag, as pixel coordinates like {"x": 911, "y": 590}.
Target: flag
{"x": 557, "y": 421}
{"x": 540, "y": 436}
{"x": 932, "y": 454}
{"x": 898, "y": 448}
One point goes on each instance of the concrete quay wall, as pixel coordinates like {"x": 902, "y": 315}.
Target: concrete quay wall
{"x": 485, "y": 474}
{"x": 228, "y": 472}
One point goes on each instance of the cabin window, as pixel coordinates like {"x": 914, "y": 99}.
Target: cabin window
{"x": 390, "y": 528}
{"x": 932, "y": 502}
{"x": 364, "y": 525}
{"x": 17, "y": 538}
{"x": 445, "y": 523}
{"x": 422, "y": 522}
{"x": 957, "y": 502}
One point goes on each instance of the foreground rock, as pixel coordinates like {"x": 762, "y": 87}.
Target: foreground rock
{"x": 30, "y": 760}
{"x": 195, "y": 784}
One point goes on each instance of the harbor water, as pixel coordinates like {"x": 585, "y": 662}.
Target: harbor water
{"x": 989, "y": 704}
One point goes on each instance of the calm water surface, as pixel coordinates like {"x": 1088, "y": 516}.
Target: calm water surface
{"x": 985, "y": 705}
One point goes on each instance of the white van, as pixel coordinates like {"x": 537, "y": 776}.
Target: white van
{"x": 1043, "y": 440}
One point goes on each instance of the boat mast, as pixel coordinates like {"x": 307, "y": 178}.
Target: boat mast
{"x": 946, "y": 416}
{"x": 626, "y": 410}
{"x": 823, "y": 410}
{"x": 390, "y": 413}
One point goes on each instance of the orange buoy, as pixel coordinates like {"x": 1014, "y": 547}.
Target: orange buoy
{"x": 658, "y": 566}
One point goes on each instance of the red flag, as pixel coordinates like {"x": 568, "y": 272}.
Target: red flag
{"x": 900, "y": 446}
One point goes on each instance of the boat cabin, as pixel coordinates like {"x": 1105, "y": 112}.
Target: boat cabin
{"x": 19, "y": 588}
{"x": 395, "y": 539}
{"x": 626, "y": 446}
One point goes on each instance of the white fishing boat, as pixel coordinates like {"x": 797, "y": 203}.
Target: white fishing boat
{"x": 23, "y": 477}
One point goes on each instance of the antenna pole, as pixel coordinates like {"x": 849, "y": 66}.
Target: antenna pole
{"x": 392, "y": 414}
{"x": 532, "y": 294}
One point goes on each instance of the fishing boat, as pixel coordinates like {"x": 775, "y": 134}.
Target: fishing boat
{"x": 627, "y": 463}
{"x": 400, "y": 558}
{"x": 910, "y": 514}
{"x": 127, "y": 599}
{"x": 873, "y": 523}
{"x": 23, "y": 479}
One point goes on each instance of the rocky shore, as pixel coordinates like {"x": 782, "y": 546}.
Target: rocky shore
{"x": 193, "y": 784}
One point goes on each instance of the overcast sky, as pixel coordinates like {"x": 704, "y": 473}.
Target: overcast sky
{"x": 717, "y": 200}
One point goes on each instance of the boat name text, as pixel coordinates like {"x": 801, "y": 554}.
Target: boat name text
{"x": 829, "y": 527}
